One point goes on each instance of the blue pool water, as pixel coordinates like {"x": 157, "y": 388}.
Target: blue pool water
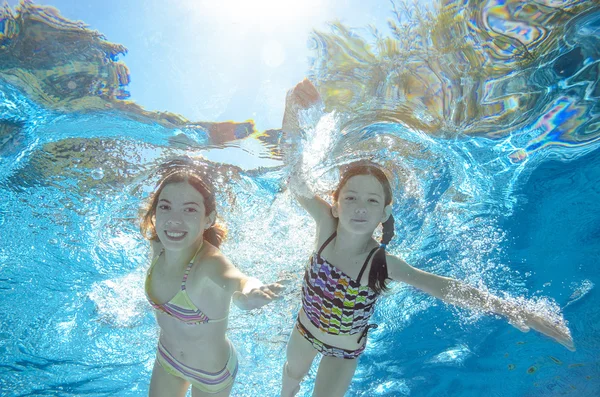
{"x": 497, "y": 182}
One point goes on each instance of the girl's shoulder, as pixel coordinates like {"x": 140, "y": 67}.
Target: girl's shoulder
{"x": 394, "y": 260}
{"x": 325, "y": 228}
{"x": 398, "y": 269}
{"x": 211, "y": 258}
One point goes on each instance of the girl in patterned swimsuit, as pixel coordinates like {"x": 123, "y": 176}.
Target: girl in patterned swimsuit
{"x": 349, "y": 270}
{"x": 191, "y": 284}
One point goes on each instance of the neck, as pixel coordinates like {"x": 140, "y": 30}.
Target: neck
{"x": 352, "y": 243}
{"x": 182, "y": 257}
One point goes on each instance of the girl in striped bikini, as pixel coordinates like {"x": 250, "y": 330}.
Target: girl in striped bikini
{"x": 349, "y": 270}
{"x": 191, "y": 283}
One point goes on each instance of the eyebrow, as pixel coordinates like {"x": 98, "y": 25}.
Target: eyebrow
{"x": 354, "y": 191}
{"x": 188, "y": 203}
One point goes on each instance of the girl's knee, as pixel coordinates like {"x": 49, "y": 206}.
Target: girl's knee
{"x": 290, "y": 384}
{"x": 294, "y": 372}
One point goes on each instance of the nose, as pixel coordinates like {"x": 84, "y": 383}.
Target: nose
{"x": 360, "y": 210}
{"x": 174, "y": 220}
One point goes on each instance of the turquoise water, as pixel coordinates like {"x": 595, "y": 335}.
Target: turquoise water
{"x": 496, "y": 183}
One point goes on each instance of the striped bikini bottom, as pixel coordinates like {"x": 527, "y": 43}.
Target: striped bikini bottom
{"x": 208, "y": 382}
{"x": 324, "y": 348}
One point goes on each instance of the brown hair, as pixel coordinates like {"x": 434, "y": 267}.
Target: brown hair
{"x": 378, "y": 275}
{"x": 182, "y": 172}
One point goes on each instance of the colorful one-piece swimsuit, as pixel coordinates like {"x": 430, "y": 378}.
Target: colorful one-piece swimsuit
{"x": 336, "y": 303}
{"x": 182, "y": 308}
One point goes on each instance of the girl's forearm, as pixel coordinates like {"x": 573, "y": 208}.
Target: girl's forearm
{"x": 464, "y": 295}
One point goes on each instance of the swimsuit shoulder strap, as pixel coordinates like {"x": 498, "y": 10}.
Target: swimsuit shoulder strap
{"x": 189, "y": 267}
{"x": 155, "y": 260}
{"x": 364, "y": 266}
{"x": 327, "y": 242}
{"x": 185, "y": 275}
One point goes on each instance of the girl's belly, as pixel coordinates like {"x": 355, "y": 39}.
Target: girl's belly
{"x": 202, "y": 346}
{"x": 347, "y": 342}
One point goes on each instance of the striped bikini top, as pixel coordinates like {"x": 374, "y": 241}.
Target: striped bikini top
{"x": 333, "y": 301}
{"x": 180, "y": 306}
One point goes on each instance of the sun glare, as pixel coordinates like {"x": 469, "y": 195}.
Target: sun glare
{"x": 259, "y": 12}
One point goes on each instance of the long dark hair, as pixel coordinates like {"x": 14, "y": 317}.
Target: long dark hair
{"x": 378, "y": 275}
{"x": 182, "y": 171}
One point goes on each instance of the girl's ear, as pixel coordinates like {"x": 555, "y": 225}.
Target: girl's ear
{"x": 387, "y": 211}
{"x": 211, "y": 220}
{"x": 334, "y": 210}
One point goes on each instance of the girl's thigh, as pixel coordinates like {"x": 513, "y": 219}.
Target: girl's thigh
{"x": 222, "y": 393}
{"x": 300, "y": 355}
{"x": 334, "y": 376}
{"x": 163, "y": 383}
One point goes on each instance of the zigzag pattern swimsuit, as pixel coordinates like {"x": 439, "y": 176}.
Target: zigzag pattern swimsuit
{"x": 336, "y": 303}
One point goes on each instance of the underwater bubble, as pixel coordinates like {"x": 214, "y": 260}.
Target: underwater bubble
{"x": 456, "y": 355}
{"x": 97, "y": 174}
{"x": 579, "y": 291}
{"x": 119, "y": 302}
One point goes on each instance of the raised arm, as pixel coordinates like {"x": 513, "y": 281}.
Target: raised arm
{"x": 464, "y": 295}
{"x": 318, "y": 208}
{"x": 247, "y": 292}
{"x": 303, "y": 96}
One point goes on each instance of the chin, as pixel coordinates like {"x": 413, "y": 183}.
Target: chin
{"x": 172, "y": 246}
{"x": 176, "y": 245}
{"x": 360, "y": 228}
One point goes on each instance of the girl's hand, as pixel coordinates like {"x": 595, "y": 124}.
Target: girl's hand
{"x": 260, "y": 296}
{"x": 555, "y": 329}
{"x": 303, "y": 96}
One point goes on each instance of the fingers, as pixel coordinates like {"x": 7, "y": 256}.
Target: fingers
{"x": 557, "y": 331}
{"x": 265, "y": 290}
{"x": 304, "y": 94}
{"x": 310, "y": 90}
{"x": 568, "y": 344}
{"x": 519, "y": 325}
{"x": 278, "y": 286}
{"x": 264, "y": 294}
{"x": 564, "y": 340}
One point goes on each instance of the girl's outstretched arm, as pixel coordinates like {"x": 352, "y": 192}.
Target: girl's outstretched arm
{"x": 464, "y": 295}
{"x": 303, "y": 96}
{"x": 247, "y": 292}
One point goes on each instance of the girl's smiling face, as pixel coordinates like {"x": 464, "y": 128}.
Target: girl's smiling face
{"x": 361, "y": 204}
{"x": 180, "y": 216}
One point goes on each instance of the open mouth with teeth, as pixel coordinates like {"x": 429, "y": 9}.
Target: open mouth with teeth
{"x": 175, "y": 236}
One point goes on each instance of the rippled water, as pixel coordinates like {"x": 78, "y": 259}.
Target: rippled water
{"x": 486, "y": 115}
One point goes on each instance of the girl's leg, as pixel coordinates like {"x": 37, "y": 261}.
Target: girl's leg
{"x": 163, "y": 383}
{"x": 202, "y": 387}
{"x": 334, "y": 376}
{"x": 300, "y": 355}
{"x": 222, "y": 393}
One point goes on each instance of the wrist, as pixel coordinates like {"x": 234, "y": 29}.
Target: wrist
{"x": 250, "y": 284}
